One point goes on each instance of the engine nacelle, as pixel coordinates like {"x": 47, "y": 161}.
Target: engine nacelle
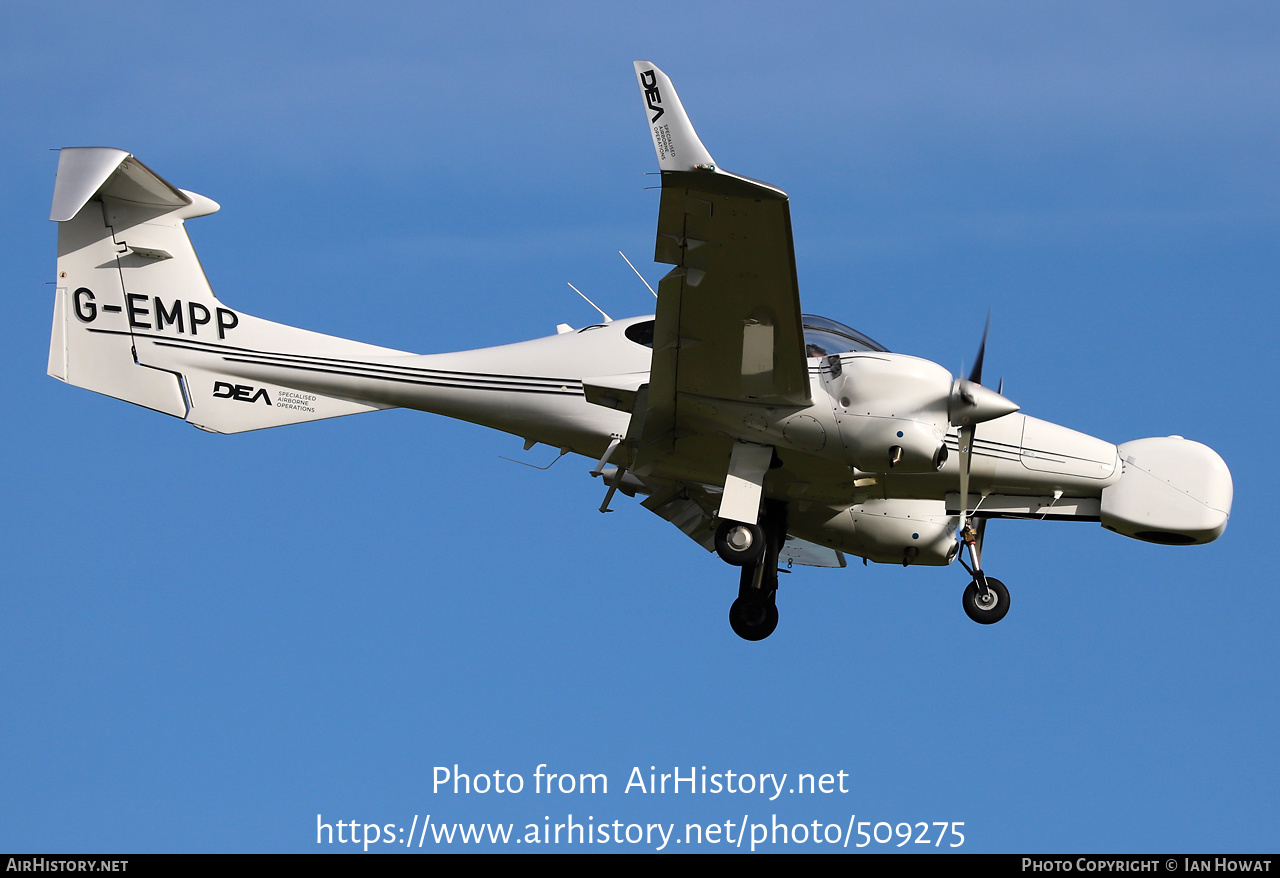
{"x": 892, "y": 412}
{"x": 898, "y": 444}
{"x": 896, "y": 532}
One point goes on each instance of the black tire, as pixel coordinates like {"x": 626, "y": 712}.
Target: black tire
{"x": 730, "y": 539}
{"x": 991, "y": 614}
{"x": 753, "y": 620}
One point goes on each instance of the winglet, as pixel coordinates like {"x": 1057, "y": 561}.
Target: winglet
{"x": 674, "y": 139}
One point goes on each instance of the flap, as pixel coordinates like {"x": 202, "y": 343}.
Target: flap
{"x": 615, "y": 391}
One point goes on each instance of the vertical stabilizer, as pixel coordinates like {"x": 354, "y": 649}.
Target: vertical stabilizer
{"x": 135, "y": 317}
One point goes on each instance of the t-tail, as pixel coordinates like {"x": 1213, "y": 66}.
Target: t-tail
{"x": 135, "y": 317}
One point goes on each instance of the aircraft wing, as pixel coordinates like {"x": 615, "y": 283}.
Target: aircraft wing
{"x": 728, "y": 320}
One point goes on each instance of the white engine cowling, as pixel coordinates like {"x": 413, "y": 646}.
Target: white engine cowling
{"x": 895, "y": 532}
{"x": 892, "y": 412}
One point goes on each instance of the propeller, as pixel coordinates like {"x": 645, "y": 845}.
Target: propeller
{"x": 969, "y": 405}
{"x": 970, "y": 402}
{"x": 976, "y": 375}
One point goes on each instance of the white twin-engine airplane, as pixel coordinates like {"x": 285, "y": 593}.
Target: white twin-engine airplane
{"x": 764, "y": 434}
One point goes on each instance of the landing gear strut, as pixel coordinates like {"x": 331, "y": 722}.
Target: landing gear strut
{"x": 754, "y": 615}
{"x": 986, "y": 600}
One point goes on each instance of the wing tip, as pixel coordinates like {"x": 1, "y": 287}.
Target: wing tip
{"x": 674, "y": 139}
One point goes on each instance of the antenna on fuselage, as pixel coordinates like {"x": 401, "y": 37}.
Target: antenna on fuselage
{"x": 607, "y": 318}
{"x": 638, "y": 274}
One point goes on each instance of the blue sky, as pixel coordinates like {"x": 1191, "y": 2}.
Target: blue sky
{"x": 207, "y": 641}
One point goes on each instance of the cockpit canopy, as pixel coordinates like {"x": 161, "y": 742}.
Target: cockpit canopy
{"x": 823, "y": 337}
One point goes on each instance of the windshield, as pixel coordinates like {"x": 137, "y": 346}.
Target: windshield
{"x": 823, "y": 337}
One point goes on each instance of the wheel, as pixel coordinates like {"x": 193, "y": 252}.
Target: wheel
{"x": 996, "y": 607}
{"x": 753, "y": 620}
{"x": 739, "y": 544}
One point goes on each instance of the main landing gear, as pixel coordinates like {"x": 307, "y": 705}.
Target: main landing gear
{"x": 753, "y": 619}
{"x": 755, "y": 548}
{"x": 986, "y": 600}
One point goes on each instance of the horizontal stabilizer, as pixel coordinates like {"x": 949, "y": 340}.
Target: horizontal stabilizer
{"x": 84, "y": 172}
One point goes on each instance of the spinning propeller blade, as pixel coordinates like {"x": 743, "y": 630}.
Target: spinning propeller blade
{"x": 976, "y": 375}
{"x": 970, "y": 404}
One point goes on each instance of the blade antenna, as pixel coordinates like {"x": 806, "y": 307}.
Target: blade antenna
{"x": 563, "y": 452}
{"x": 638, "y": 274}
{"x": 607, "y": 318}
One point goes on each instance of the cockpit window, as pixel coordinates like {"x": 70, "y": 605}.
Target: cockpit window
{"x": 641, "y": 333}
{"x": 823, "y": 337}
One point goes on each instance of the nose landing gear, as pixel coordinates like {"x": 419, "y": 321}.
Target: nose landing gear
{"x": 989, "y": 607}
{"x": 986, "y": 600}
